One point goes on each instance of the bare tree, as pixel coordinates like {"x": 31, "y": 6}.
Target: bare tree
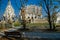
{"x": 54, "y": 16}
{"x": 48, "y": 4}
{"x": 47, "y": 9}
{"x": 23, "y": 4}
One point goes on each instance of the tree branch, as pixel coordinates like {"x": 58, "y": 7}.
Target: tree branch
{"x": 17, "y": 5}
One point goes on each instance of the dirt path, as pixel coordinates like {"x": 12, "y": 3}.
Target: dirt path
{"x": 6, "y": 39}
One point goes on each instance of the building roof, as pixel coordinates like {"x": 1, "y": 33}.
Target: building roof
{"x": 9, "y": 10}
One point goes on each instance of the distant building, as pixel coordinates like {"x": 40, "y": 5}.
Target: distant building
{"x": 32, "y": 13}
{"x": 9, "y": 13}
{"x": 58, "y": 17}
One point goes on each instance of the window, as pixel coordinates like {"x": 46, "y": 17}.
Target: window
{"x": 59, "y": 21}
{"x": 35, "y": 17}
{"x": 28, "y": 17}
{"x": 32, "y": 17}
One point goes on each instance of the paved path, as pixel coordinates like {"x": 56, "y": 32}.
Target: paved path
{"x": 40, "y": 35}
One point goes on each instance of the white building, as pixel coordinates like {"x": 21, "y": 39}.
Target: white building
{"x": 58, "y": 18}
{"x": 9, "y": 12}
{"x": 32, "y": 12}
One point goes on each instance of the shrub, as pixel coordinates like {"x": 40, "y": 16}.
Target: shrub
{"x": 17, "y": 23}
{"x": 57, "y": 25}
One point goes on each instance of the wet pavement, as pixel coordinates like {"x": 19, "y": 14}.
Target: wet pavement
{"x": 32, "y": 35}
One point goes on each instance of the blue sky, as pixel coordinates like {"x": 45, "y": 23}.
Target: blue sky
{"x": 5, "y": 2}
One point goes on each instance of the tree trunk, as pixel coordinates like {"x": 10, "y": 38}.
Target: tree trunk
{"x": 24, "y": 24}
{"x": 23, "y": 18}
{"x": 53, "y": 25}
{"x": 49, "y": 20}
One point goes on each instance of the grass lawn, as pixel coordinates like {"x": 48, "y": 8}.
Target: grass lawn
{"x": 17, "y": 24}
{"x": 37, "y": 24}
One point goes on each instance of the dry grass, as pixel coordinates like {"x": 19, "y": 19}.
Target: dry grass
{"x": 6, "y": 39}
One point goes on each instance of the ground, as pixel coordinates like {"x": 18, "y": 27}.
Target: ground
{"x": 34, "y": 27}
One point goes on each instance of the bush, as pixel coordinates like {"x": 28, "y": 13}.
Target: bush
{"x": 37, "y": 24}
{"x": 57, "y": 25}
{"x": 17, "y": 23}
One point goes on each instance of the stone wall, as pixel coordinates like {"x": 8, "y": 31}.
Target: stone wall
{"x": 40, "y": 21}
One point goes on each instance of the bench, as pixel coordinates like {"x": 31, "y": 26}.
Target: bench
{"x": 13, "y": 34}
